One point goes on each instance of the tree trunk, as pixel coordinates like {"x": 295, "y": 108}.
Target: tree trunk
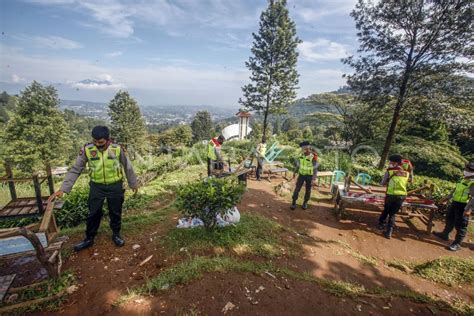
{"x": 265, "y": 117}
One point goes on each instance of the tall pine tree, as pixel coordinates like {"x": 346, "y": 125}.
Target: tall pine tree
{"x": 37, "y": 134}
{"x": 409, "y": 49}
{"x": 274, "y": 77}
{"x": 128, "y": 126}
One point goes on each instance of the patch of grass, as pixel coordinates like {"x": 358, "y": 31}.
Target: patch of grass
{"x": 447, "y": 270}
{"x": 46, "y": 289}
{"x": 450, "y": 271}
{"x": 252, "y": 235}
{"x": 194, "y": 268}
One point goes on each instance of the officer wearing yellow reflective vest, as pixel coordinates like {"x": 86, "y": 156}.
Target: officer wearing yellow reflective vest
{"x": 306, "y": 168}
{"x": 214, "y": 157}
{"x": 260, "y": 154}
{"x": 106, "y": 163}
{"x": 460, "y": 208}
{"x": 396, "y": 179}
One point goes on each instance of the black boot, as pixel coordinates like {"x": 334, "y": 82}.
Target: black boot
{"x": 388, "y": 233}
{"x": 305, "y": 205}
{"x": 118, "y": 241}
{"x": 86, "y": 243}
{"x": 293, "y": 205}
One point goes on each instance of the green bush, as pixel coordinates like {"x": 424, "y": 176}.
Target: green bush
{"x": 75, "y": 208}
{"x": 205, "y": 199}
{"x": 433, "y": 159}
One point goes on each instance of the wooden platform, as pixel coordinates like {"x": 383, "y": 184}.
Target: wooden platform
{"x": 25, "y": 207}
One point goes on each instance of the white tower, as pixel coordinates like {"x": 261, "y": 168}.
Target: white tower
{"x": 244, "y": 118}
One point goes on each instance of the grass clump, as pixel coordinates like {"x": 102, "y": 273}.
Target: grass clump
{"x": 49, "y": 288}
{"x": 447, "y": 270}
{"x": 252, "y": 235}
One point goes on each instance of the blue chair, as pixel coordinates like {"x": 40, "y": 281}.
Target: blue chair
{"x": 338, "y": 176}
{"x": 363, "y": 179}
{"x": 272, "y": 152}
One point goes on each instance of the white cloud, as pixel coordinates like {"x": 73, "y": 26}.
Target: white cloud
{"x": 51, "y": 41}
{"x": 114, "y": 54}
{"x": 322, "y": 49}
{"x": 112, "y": 16}
{"x": 17, "y": 79}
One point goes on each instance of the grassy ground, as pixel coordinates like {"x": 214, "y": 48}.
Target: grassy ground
{"x": 55, "y": 289}
{"x": 254, "y": 234}
{"x": 195, "y": 267}
{"x": 450, "y": 271}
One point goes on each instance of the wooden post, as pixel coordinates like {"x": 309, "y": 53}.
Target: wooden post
{"x": 39, "y": 199}
{"x": 11, "y": 184}
{"x": 49, "y": 174}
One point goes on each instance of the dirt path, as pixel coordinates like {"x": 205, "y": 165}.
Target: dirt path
{"x": 104, "y": 271}
{"x": 362, "y": 236}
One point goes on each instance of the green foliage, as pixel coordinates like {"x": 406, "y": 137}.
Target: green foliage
{"x": 434, "y": 159}
{"x": 289, "y": 124}
{"x": 253, "y": 234}
{"x": 174, "y": 137}
{"x": 201, "y": 126}
{"x": 75, "y": 208}
{"x": 37, "y": 133}
{"x": 409, "y": 51}
{"x": 274, "y": 76}
{"x": 128, "y": 125}
{"x": 447, "y": 270}
{"x": 205, "y": 199}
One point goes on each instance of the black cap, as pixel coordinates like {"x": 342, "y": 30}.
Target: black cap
{"x": 100, "y": 132}
{"x": 395, "y": 158}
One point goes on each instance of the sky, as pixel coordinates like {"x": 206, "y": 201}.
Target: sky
{"x": 164, "y": 52}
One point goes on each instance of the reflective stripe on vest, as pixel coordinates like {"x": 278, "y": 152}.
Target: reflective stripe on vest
{"x": 211, "y": 152}
{"x": 397, "y": 185}
{"x": 461, "y": 193}
{"x": 306, "y": 165}
{"x": 104, "y": 166}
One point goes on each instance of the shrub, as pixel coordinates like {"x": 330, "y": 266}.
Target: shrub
{"x": 206, "y": 199}
{"x": 75, "y": 208}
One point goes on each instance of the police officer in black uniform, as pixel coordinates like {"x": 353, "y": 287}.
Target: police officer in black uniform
{"x": 107, "y": 162}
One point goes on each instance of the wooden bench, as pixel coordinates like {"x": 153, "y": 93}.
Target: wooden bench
{"x": 274, "y": 171}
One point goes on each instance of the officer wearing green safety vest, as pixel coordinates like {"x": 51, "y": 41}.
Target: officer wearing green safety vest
{"x": 396, "y": 178}
{"x": 306, "y": 168}
{"x": 107, "y": 162}
{"x": 460, "y": 208}
{"x": 260, "y": 152}
{"x": 214, "y": 158}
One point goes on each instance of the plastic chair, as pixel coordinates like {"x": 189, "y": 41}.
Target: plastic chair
{"x": 272, "y": 152}
{"x": 363, "y": 179}
{"x": 338, "y": 176}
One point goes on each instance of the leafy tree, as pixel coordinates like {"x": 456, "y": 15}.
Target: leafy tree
{"x": 128, "y": 125}
{"x": 180, "y": 135}
{"x": 37, "y": 133}
{"x": 408, "y": 49}
{"x": 289, "y": 124}
{"x": 273, "y": 64}
{"x": 202, "y": 126}
{"x": 277, "y": 125}
{"x": 307, "y": 133}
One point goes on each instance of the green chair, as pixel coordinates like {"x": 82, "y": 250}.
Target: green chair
{"x": 338, "y": 176}
{"x": 363, "y": 179}
{"x": 272, "y": 152}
